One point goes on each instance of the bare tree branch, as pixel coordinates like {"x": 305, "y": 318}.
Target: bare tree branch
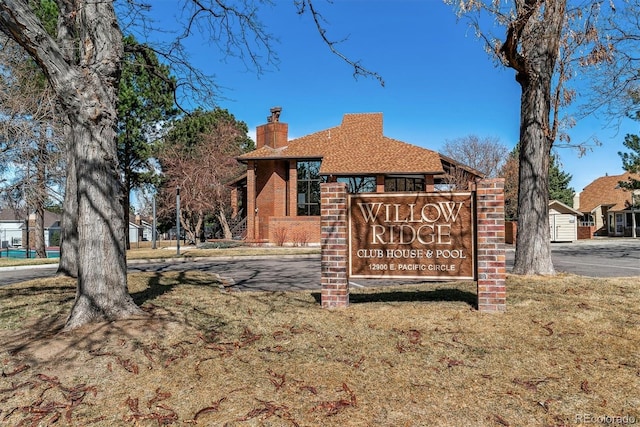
{"x": 202, "y": 172}
{"x": 358, "y": 69}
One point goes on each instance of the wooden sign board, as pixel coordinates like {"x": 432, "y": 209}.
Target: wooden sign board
{"x": 427, "y": 236}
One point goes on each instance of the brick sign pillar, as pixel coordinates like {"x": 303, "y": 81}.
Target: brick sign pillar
{"x": 490, "y": 245}
{"x": 334, "y": 245}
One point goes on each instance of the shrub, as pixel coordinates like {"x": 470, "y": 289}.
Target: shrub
{"x": 224, "y": 244}
{"x": 301, "y": 237}
{"x": 280, "y": 236}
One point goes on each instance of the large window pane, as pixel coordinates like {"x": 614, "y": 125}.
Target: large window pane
{"x": 308, "y": 188}
{"x": 314, "y": 192}
{"x": 359, "y": 184}
{"x": 403, "y": 184}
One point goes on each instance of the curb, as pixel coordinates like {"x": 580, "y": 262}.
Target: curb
{"x": 29, "y": 267}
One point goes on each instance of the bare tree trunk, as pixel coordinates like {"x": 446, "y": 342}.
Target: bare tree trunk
{"x": 191, "y": 224}
{"x": 198, "y": 228}
{"x": 102, "y": 275}
{"x": 83, "y": 68}
{"x": 225, "y": 224}
{"x": 532, "y": 48}
{"x": 40, "y": 197}
{"x": 41, "y": 251}
{"x": 68, "y": 265}
{"x": 533, "y": 244}
{"x": 126, "y": 203}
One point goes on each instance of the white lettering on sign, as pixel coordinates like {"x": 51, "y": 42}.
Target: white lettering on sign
{"x": 405, "y": 229}
{"x": 430, "y": 212}
{"x": 412, "y": 235}
{"x": 407, "y": 234}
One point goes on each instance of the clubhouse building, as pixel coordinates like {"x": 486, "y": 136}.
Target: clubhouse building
{"x": 279, "y": 197}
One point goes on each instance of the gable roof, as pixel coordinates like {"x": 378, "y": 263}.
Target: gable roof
{"x": 10, "y": 215}
{"x": 605, "y": 191}
{"x": 562, "y": 208}
{"x": 51, "y": 219}
{"x": 356, "y": 147}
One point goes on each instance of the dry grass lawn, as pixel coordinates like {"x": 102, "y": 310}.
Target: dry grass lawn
{"x": 566, "y": 353}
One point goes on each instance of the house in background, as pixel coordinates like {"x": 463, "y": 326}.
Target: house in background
{"x": 607, "y": 208}
{"x": 280, "y": 193}
{"x": 52, "y": 222}
{"x": 11, "y": 224}
{"x": 563, "y": 224}
{"x": 14, "y": 231}
{"x": 140, "y": 229}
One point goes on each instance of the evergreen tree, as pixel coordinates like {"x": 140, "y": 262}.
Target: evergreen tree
{"x": 509, "y": 172}
{"x": 145, "y": 105}
{"x": 189, "y": 130}
{"x": 559, "y": 184}
{"x": 631, "y": 162}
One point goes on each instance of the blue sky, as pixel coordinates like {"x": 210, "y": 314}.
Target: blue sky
{"x": 440, "y": 83}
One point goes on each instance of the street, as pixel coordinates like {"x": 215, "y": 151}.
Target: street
{"x": 593, "y": 258}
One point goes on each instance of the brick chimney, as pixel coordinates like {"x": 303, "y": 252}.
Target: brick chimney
{"x": 273, "y": 134}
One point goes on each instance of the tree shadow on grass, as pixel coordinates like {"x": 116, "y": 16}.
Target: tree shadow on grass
{"x": 161, "y": 283}
{"x": 41, "y": 339}
{"x": 154, "y": 289}
{"x": 435, "y": 295}
{"x": 39, "y": 309}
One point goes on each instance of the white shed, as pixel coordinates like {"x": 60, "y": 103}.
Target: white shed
{"x": 563, "y": 223}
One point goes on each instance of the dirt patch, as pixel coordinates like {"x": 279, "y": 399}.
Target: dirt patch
{"x": 92, "y": 338}
{"x": 412, "y": 356}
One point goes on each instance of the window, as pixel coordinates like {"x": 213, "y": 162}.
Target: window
{"x": 309, "y": 188}
{"x": 359, "y": 184}
{"x": 619, "y": 223}
{"x": 403, "y": 184}
{"x": 587, "y": 220}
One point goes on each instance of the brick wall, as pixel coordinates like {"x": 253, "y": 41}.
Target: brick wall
{"x": 293, "y": 192}
{"x": 271, "y": 190}
{"x": 299, "y": 230}
{"x": 586, "y": 232}
{"x": 490, "y": 245}
{"x": 251, "y": 202}
{"x": 334, "y": 244}
{"x": 275, "y": 135}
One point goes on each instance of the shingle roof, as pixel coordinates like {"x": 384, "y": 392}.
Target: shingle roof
{"x": 606, "y": 191}
{"x": 357, "y": 146}
{"x": 562, "y": 208}
{"x": 10, "y": 215}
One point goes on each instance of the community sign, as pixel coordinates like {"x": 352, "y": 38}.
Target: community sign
{"x": 427, "y": 236}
